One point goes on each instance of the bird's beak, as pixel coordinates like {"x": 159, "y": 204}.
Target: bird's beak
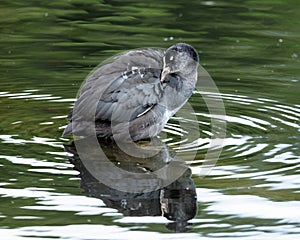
{"x": 165, "y": 72}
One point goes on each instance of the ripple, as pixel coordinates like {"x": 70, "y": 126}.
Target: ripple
{"x": 249, "y": 174}
{"x": 38, "y": 140}
{"x": 250, "y": 206}
{"x": 280, "y": 182}
{"x": 26, "y": 217}
{"x": 263, "y": 104}
{"x": 244, "y": 120}
{"x": 90, "y": 231}
{"x": 80, "y": 204}
{"x": 35, "y": 162}
{"x": 252, "y": 127}
{"x": 174, "y": 129}
{"x": 31, "y": 95}
{"x": 241, "y": 141}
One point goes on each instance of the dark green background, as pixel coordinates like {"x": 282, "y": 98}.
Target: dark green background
{"x": 250, "y": 48}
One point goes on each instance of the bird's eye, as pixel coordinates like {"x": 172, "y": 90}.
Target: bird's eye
{"x": 174, "y": 75}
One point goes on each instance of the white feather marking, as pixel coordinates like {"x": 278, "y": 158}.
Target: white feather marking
{"x": 147, "y": 110}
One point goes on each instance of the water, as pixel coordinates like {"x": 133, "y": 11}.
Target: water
{"x": 251, "y": 50}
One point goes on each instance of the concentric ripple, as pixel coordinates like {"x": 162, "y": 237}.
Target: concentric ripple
{"x": 256, "y": 135}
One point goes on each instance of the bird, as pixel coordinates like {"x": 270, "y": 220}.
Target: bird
{"x": 131, "y": 96}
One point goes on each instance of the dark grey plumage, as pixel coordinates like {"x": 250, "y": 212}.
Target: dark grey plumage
{"x": 134, "y": 94}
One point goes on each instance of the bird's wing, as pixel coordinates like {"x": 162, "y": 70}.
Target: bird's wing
{"x": 112, "y": 79}
{"x": 130, "y": 96}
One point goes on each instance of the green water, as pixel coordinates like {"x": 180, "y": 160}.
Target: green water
{"x": 250, "y": 48}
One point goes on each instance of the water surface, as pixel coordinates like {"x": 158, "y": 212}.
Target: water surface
{"x": 251, "y": 50}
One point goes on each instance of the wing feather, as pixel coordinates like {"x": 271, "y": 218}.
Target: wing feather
{"x": 125, "y": 87}
{"x": 127, "y": 102}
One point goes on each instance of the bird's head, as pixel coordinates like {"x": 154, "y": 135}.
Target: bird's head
{"x": 181, "y": 59}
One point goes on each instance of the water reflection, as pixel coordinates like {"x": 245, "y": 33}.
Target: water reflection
{"x": 177, "y": 202}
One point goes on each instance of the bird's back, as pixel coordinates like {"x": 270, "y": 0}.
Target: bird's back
{"x": 120, "y": 89}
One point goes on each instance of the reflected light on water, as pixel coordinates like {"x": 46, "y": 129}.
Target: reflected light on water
{"x": 250, "y": 48}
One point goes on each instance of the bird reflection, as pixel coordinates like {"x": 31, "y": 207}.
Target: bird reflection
{"x": 176, "y": 201}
